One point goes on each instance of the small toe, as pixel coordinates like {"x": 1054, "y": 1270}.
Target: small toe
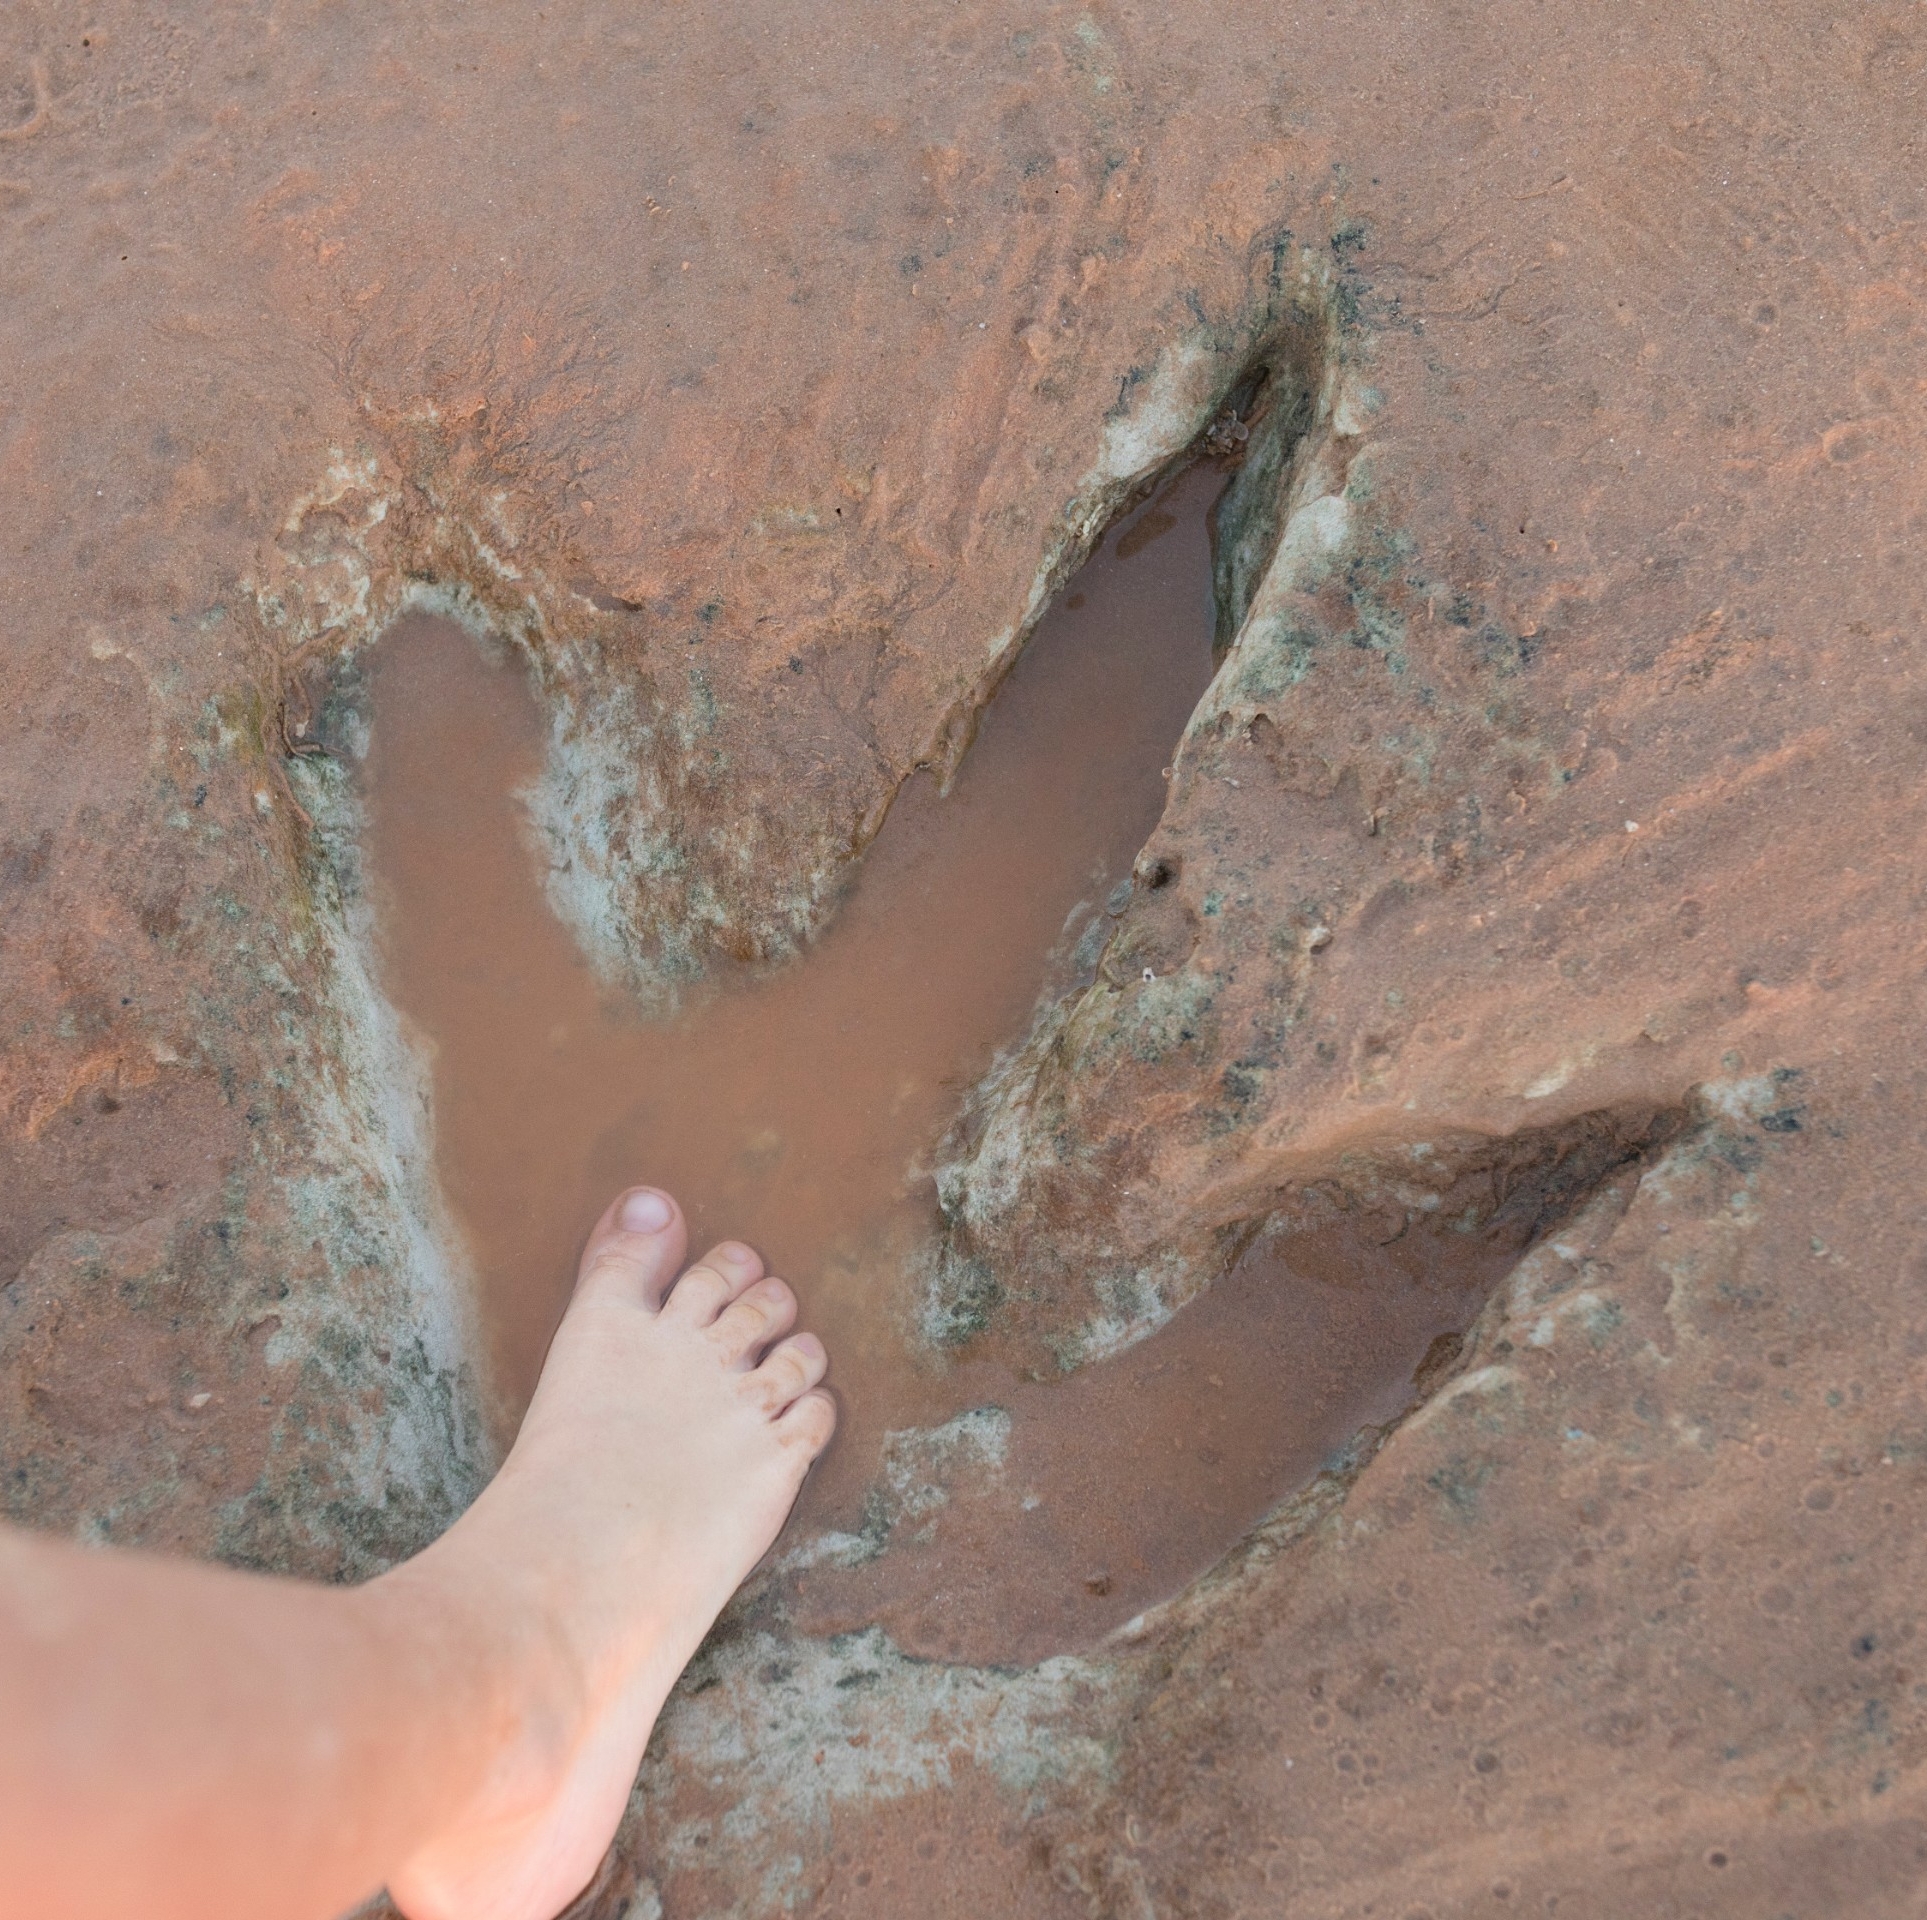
{"x": 705, "y": 1289}
{"x": 634, "y": 1249}
{"x": 809, "y": 1421}
{"x": 788, "y": 1371}
{"x": 759, "y": 1314}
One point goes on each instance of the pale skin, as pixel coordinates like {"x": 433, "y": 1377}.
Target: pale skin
{"x": 181, "y": 1739}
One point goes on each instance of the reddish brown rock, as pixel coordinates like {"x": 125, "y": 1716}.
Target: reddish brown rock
{"x": 1566, "y": 766}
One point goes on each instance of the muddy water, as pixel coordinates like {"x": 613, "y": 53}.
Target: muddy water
{"x": 793, "y": 1110}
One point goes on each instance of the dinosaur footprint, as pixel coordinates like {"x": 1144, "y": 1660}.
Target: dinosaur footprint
{"x": 978, "y": 1513}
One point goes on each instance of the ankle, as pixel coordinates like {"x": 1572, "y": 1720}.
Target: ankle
{"x": 481, "y": 1626}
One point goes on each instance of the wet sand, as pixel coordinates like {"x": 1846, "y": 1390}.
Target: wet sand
{"x": 796, "y": 1109}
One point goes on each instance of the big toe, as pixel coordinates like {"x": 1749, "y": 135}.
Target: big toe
{"x": 634, "y": 1249}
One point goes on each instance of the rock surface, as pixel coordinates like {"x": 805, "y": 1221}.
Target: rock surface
{"x": 761, "y": 371}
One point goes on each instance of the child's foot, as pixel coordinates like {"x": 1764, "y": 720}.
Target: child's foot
{"x": 664, "y": 1447}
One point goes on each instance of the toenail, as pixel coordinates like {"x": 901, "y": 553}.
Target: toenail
{"x": 644, "y": 1211}
{"x": 735, "y": 1253}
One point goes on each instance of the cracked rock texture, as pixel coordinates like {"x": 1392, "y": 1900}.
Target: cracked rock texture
{"x": 761, "y": 369}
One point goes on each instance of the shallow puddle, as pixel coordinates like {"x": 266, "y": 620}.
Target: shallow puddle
{"x": 794, "y": 1109}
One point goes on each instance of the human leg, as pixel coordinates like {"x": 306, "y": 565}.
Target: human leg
{"x": 178, "y": 1738}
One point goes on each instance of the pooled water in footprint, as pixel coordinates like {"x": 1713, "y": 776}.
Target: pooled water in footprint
{"x": 794, "y": 1110}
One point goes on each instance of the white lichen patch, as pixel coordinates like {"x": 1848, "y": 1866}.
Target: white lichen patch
{"x": 1744, "y": 1098}
{"x": 924, "y": 1466}
{"x": 1269, "y": 657}
{"x": 367, "y": 1196}
{"x": 781, "y": 1732}
{"x": 922, "y": 1470}
{"x": 1167, "y": 410}
{"x": 1553, "y": 1268}
{"x": 1481, "y": 1383}
{"x": 600, "y": 811}
{"x": 1353, "y": 410}
{"x": 1133, "y": 1304}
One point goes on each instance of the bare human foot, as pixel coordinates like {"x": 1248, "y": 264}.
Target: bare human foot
{"x": 664, "y": 1447}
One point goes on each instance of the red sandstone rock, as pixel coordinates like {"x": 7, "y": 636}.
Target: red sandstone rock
{"x": 1585, "y": 714}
